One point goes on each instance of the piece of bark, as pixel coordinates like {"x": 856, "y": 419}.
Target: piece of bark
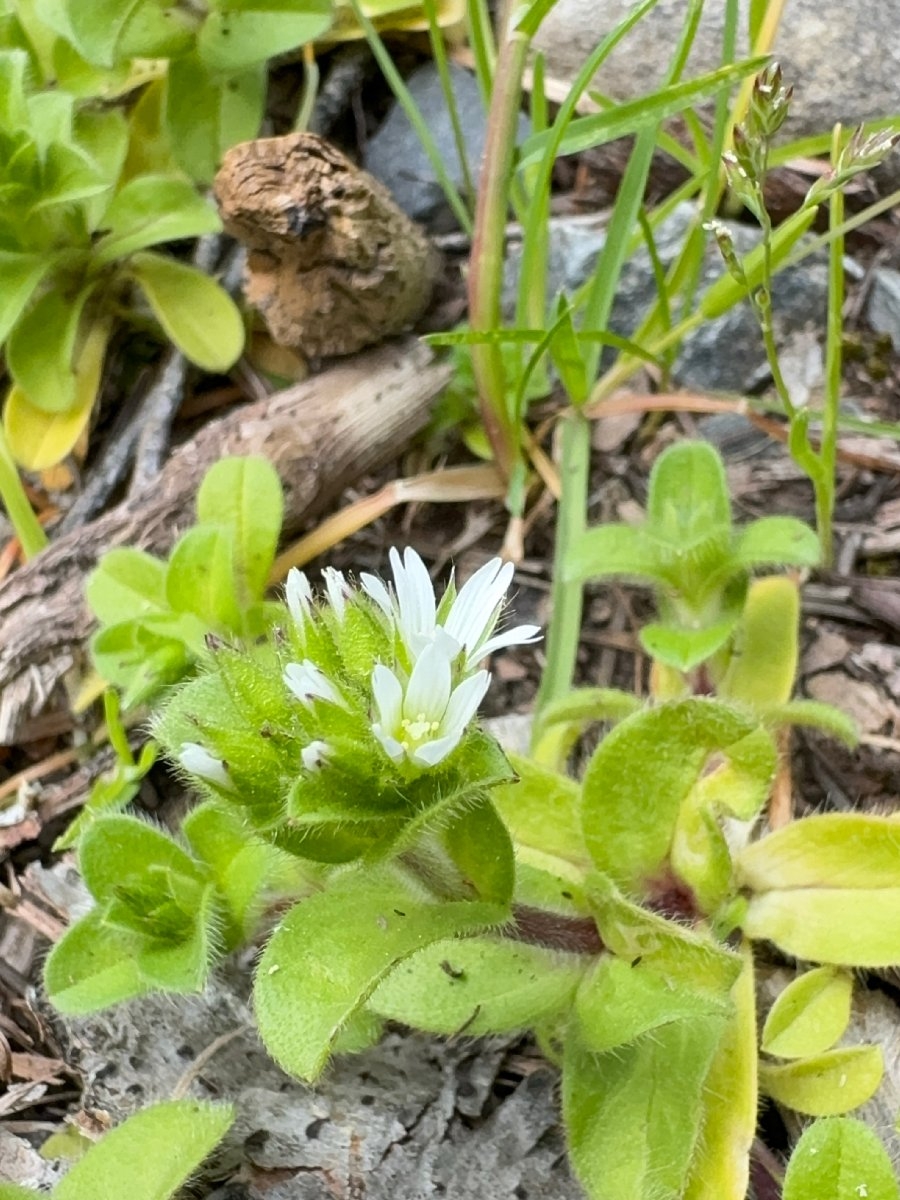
{"x": 320, "y": 435}
{"x": 333, "y": 264}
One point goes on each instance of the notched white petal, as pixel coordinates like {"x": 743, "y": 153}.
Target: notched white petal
{"x": 315, "y": 755}
{"x": 309, "y": 682}
{"x": 298, "y": 594}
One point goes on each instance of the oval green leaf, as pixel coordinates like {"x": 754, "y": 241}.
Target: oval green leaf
{"x": 810, "y": 1015}
{"x": 196, "y": 313}
{"x": 244, "y": 495}
{"x": 829, "y": 1084}
{"x": 238, "y": 36}
{"x": 840, "y": 1158}
{"x": 152, "y": 209}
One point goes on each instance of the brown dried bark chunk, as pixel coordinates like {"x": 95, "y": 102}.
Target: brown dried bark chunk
{"x": 333, "y": 264}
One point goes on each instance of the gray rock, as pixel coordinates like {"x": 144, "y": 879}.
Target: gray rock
{"x": 397, "y": 157}
{"x": 843, "y": 59}
{"x": 883, "y": 310}
{"x": 726, "y": 354}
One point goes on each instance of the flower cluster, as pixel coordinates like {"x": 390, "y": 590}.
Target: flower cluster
{"x": 423, "y": 682}
{"x": 425, "y": 699}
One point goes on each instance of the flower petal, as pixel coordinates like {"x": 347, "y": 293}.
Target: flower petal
{"x": 309, "y": 682}
{"x": 519, "y": 635}
{"x": 431, "y": 753}
{"x": 298, "y": 594}
{"x": 198, "y": 761}
{"x": 464, "y": 703}
{"x": 428, "y": 689}
{"x": 389, "y": 743}
{"x": 415, "y": 599}
{"x": 476, "y": 608}
{"x": 336, "y": 587}
{"x": 315, "y": 755}
{"x": 375, "y": 590}
{"x": 388, "y": 694}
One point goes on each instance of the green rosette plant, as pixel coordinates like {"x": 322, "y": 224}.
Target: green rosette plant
{"x": 423, "y": 877}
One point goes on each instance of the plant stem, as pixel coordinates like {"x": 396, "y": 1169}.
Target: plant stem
{"x": 28, "y": 529}
{"x": 833, "y": 364}
{"x": 566, "y": 597}
{"x": 488, "y": 245}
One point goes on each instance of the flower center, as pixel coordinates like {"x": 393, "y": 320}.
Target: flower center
{"x": 418, "y": 730}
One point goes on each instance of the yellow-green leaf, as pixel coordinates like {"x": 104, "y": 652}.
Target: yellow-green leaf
{"x": 829, "y": 1084}
{"x": 857, "y": 927}
{"x": 39, "y": 439}
{"x": 840, "y": 1158}
{"x": 835, "y": 850}
{"x": 197, "y": 314}
{"x": 810, "y": 1015}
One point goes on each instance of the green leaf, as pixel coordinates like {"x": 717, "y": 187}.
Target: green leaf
{"x": 205, "y": 115}
{"x": 478, "y": 843}
{"x": 237, "y": 36}
{"x": 13, "y": 71}
{"x": 635, "y": 115}
{"x": 126, "y": 581}
{"x": 810, "y": 1015}
{"x": 683, "y": 648}
{"x": 827, "y": 1085}
{"x": 633, "y": 1114}
{"x": 196, "y": 313}
{"x": 688, "y": 493}
{"x": 93, "y": 966}
{"x": 720, "y": 1168}
{"x": 39, "y": 439}
{"x": 832, "y": 850}
{"x": 108, "y": 32}
{"x": 763, "y": 663}
{"x": 120, "y": 849}
{"x": 813, "y": 714}
{"x": 840, "y": 1158}
{"x": 646, "y": 768}
{"x": 152, "y": 209}
{"x": 609, "y": 550}
{"x": 200, "y": 578}
{"x": 103, "y": 134}
{"x": 776, "y": 541}
{"x": 332, "y": 950}
{"x": 20, "y": 276}
{"x": 12, "y": 1191}
{"x": 686, "y": 958}
{"x": 620, "y": 1001}
{"x": 41, "y": 350}
{"x": 854, "y": 927}
{"x": 183, "y": 967}
{"x": 562, "y": 722}
{"x": 541, "y": 810}
{"x": 169, "y": 1141}
{"x": 244, "y": 495}
{"x": 479, "y": 985}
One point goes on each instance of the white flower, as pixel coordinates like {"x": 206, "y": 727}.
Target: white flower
{"x": 337, "y": 589}
{"x": 298, "y": 594}
{"x": 425, "y": 721}
{"x": 198, "y": 761}
{"x": 315, "y": 755}
{"x": 309, "y": 682}
{"x": 472, "y": 617}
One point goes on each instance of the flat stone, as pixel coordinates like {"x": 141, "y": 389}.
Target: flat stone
{"x": 883, "y": 309}
{"x": 843, "y": 60}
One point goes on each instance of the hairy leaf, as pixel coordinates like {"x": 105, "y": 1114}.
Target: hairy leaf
{"x": 810, "y": 1015}
{"x": 843, "y": 1159}
{"x": 828, "y": 1084}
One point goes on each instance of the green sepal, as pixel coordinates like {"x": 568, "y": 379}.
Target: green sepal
{"x": 828, "y": 1084}
{"x": 840, "y": 1158}
{"x": 332, "y": 950}
{"x": 810, "y": 1015}
{"x": 478, "y": 985}
{"x": 168, "y": 1141}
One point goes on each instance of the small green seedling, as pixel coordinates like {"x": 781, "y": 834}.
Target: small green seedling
{"x": 423, "y": 878}
{"x": 698, "y": 564}
{"x": 155, "y": 617}
{"x": 148, "y": 1157}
